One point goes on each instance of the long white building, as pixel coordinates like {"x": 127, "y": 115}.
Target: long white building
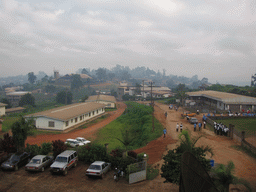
{"x": 65, "y": 117}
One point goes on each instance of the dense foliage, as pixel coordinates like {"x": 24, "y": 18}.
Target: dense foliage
{"x": 58, "y": 147}
{"x": 20, "y": 131}
{"x": 92, "y": 152}
{"x": 7, "y": 144}
{"x": 172, "y": 161}
{"x": 27, "y": 99}
{"x": 64, "y": 97}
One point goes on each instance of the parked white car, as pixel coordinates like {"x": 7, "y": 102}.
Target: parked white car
{"x": 83, "y": 140}
{"x": 73, "y": 143}
{"x": 98, "y": 168}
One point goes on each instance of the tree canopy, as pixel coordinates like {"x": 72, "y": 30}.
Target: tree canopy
{"x": 31, "y": 77}
{"x": 76, "y": 82}
{"x": 64, "y": 97}
{"x": 27, "y": 99}
{"x": 20, "y": 131}
{"x": 172, "y": 161}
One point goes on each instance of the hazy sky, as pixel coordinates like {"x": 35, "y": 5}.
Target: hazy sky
{"x": 211, "y": 38}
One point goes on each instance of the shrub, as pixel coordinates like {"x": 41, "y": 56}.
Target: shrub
{"x": 7, "y": 144}
{"x": 117, "y": 152}
{"x": 93, "y": 152}
{"x": 151, "y": 173}
{"x": 132, "y": 154}
{"x": 33, "y": 149}
{"x": 58, "y": 146}
{"x": 46, "y": 148}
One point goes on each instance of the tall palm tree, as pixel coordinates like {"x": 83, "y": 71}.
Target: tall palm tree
{"x": 223, "y": 176}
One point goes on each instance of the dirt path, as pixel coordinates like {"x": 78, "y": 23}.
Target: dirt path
{"x": 245, "y": 166}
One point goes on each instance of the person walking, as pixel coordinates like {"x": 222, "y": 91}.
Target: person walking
{"x": 181, "y": 126}
{"x": 204, "y": 124}
{"x": 165, "y": 131}
{"x": 177, "y": 127}
{"x": 194, "y": 126}
{"x": 199, "y": 126}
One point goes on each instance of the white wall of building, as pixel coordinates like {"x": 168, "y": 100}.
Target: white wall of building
{"x": 43, "y": 122}
{"x": 2, "y": 111}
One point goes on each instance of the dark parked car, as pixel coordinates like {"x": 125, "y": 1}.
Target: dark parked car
{"x": 15, "y": 161}
{"x": 39, "y": 163}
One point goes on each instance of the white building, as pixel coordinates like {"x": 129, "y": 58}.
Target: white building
{"x": 2, "y": 109}
{"x": 108, "y": 100}
{"x": 65, "y": 117}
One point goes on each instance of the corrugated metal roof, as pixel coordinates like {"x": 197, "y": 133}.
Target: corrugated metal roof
{"x": 102, "y": 98}
{"x": 228, "y": 98}
{"x": 69, "y": 111}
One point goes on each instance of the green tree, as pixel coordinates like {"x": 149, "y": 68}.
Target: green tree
{"x": 31, "y": 77}
{"x": 172, "y": 161}
{"x": 50, "y": 88}
{"x": 27, "y": 99}
{"x": 84, "y": 71}
{"x": 6, "y": 101}
{"x": 223, "y": 176}
{"x": 101, "y": 73}
{"x": 181, "y": 93}
{"x": 76, "y": 82}
{"x": 20, "y": 131}
{"x": 64, "y": 97}
{"x": 84, "y": 98}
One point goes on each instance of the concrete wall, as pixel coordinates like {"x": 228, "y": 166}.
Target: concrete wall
{"x": 2, "y": 111}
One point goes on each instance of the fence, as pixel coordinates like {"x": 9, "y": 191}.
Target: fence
{"x": 137, "y": 172}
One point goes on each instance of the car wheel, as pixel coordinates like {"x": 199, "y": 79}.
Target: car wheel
{"x": 65, "y": 172}
{"x": 16, "y": 168}
{"x": 42, "y": 169}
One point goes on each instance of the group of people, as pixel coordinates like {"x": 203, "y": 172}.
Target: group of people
{"x": 179, "y": 127}
{"x": 175, "y": 107}
{"x": 200, "y": 125}
{"x": 221, "y": 129}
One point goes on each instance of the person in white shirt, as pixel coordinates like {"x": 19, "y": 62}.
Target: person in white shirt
{"x": 177, "y": 127}
{"x": 181, "y": 126}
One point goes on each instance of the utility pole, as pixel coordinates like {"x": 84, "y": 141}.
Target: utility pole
{"x": 152, "y": 104}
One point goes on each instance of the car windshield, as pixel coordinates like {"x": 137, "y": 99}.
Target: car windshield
{"x": 61, "y": 159}
{"x": 95, "y": 167}
{"x": 35, "y": 161}
{"x": 15, "y": 158}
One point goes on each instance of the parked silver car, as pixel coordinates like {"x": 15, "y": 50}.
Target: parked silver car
{"x": 73, "y": 143}
{"x": 39, "y": 163}
{"x": 83, "y": 140}
{"x": 64, "y": 161}
{"x": 98, "y": 168}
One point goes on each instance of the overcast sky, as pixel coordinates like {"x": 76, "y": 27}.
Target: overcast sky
{"x": 209, "y": 38}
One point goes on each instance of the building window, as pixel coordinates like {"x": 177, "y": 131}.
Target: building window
{"x": 66, "y": 123}
{"x": 93, "y": 113}
{"x": 97, "y": 111}
{"x": 71, "y": 120}
{"x": 89, "y": 114}
{"x": 75, "y": 119}
{"x": 81, "y": 118}
{"x": 50, "y": 123}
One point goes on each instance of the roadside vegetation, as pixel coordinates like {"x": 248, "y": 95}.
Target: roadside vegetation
{"x": 131, "y": 130}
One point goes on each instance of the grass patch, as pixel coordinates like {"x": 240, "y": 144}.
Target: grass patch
{"x": 110, "y": 109}
{"x": 244, "y": 149}
{"x": 134, "y": 126}
{"x": 241, "y": 124}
